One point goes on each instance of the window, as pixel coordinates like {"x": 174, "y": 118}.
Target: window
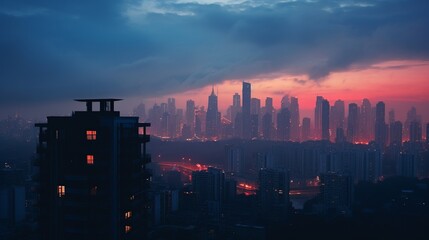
{"x": 90, "y": 159}
{"x": 91, "y": 135}
{"x": 127, "y": 228}
{"x": 128, "y": 214}
{"x": 61, "y": 190}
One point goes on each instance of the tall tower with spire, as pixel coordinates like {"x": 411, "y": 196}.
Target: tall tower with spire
{"x": 213, "y": 116}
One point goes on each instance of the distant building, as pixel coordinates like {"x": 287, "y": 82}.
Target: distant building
{"x": 267, "y": 126}
{"x": 208, "y": 187}
{"x": 306, "y": 129}
{"x": 353, "y": 123}
{"x": 380, "y": 125}
{"x": 415, "y": 132}
{"x": 340, "y": 137}
{"x": 337, "y": 116}
{"x": 294, "y": 119}
{"x": 274, "y": 192}
{"x": 92, "y": 175}
{"x": 336, "y": 191}
{"x": 366, "y": 123}
{"x": 246, "y": 95}
{"x": 318, "y": 117}
{"x": 12, "y": 197}
{"x": 190, "y": 116}
{"x": 284, "y": 125}
{"x": 213, "y": 117}
{"x": 325, "y": 120}
{"x": 234, "y": 159}
{"x": 396, "y": 134}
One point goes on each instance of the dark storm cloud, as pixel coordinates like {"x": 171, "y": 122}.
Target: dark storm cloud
{"x": 52, "y": 50}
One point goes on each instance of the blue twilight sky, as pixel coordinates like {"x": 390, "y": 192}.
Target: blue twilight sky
{"x": 56, "y": 50}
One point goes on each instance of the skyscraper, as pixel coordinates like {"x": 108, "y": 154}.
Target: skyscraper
{"x": 236, "y": 105}
{"x": 93, "y": 176}
{"x": 380, "y": 132}
{"x": 285, "y": 103}
{"x": 306, "y": 129}
{"x": 415, "y": 132}
{"x": 294, "y": 119}
{"x": 171, "y": 106}
{"x": 366, "y": 121}
{"x": 337, "y": 116}
{"x": 352, "y": 123}
{"x": 283, "y": 125}
{"x": 267, "y": 126}
{"x": 246, "y": 94}
{"x": 411, "y": 117}
{"x": 256, "y": 118}
{"x": 213, "y": 116}
{"x": 318, "y": 118}
{"x": 190, "y": 115}
{"x": 325, "y": 120}
{"x": 396, "y": 134}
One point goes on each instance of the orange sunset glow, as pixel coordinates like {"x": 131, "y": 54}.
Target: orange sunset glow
{"x": 401, "y": 84}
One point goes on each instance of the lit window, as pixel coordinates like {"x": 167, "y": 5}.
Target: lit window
{"x": 57, "y": 134}
{"x": 61, "y": 190}
{"x": 127, "y": 228}
{"x": 90, "y": 159}
{"x": 91, "y": 135}
{"x": 128, "y": 214}
{"x": 94, "y": 191}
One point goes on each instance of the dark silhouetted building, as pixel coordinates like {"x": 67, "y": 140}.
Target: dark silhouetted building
{"x": 255, "y": 111}
{"x": 283, "y": 125}
{"x": 318, "y": 117}
{"x": 366, "y": 123}
{"x": 380, "y": 125}
{"x": 234, "y": 159}
{"x": 92, "y": 175}
{"x": 267, "y": 126}
{"x": 337, "y": 116}
{"x": 213, "y": 116}
{"x": 340, "y": 136}
{"x": 396, "y": 134}
{"x": 12, "y": 197}
{"x": 306, "y": 129}
{"x": 294, "y": 119}
{"x": 273, "y": 192}
{"x": 336, "y": 191}
{"x": 353, "y": 123}
{"x": 190, "y": 116}
{"x": 325, "y": 120}
{"x": 246, "y": 94}
{"x": 415, "y": 132}
{"x": 208, "y": 187}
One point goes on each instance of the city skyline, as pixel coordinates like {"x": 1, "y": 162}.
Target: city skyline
{"x": 334, "y": 49}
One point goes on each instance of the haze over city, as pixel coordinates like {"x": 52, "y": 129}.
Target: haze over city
{"x": 147, "y": 51}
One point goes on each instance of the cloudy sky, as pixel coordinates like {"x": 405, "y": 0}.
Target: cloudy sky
{"x": 53, "y": 51}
